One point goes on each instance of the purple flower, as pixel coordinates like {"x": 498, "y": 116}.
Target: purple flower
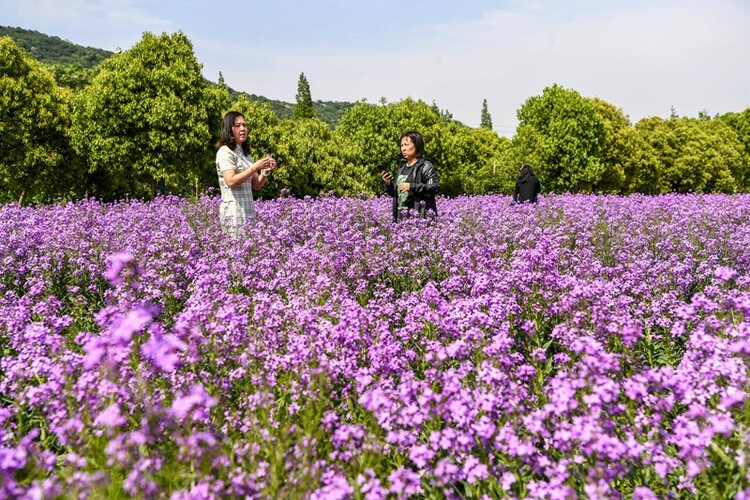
{"x": 724, "y": 274}
{"x": 117, "y": 263}
{"x": 473, "y": 470}
{"x": 12, "y": 459}
{"x": 184, "y": 404}
{"x": 163, "y": 351}
{"x": 110, "y": 417}
{"x": 336, "y": 487}
{"x": 721, "y": 424}
{"x": 560, "y": 349}
{"x": 94, "y": 350}
{"x": 507, "y": 480}
{"x": 134, "y": 321}
{"x": 644, "y": 493}
{"x": 420, "y": 454}
{"x": 732, "y": 397}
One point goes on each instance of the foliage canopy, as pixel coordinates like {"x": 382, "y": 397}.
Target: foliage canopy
{"x": 148, "y": 116}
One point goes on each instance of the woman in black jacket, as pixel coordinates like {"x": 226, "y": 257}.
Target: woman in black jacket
{"x": 527, "y": 186}
{"x": 416, "y": 182}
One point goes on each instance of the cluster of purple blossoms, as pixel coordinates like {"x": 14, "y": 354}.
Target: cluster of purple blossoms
{"x": 585, "y": 346}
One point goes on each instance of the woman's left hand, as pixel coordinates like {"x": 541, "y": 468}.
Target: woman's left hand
{"x": 404, "y": 187}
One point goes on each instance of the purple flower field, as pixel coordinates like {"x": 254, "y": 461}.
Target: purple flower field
{"x": 585, "y": 347}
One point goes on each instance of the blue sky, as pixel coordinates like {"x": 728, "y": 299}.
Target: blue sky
{"x": 646, "y": 57}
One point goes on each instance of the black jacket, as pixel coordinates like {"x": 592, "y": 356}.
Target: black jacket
{"x": 422, "y": 191}
{"x": 526, "y": 191}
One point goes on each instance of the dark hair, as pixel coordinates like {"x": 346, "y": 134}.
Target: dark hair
{"x": 526, "y": 172}
{"x": 227, "y": 136}
{"x": 416, "y": 139}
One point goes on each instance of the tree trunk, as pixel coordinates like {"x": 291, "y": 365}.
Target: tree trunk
{"x": 24, "y": 191}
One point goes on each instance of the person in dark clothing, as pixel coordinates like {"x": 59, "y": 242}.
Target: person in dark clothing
{"x": 527, "y": 186}
{"x": 416, "y": 182}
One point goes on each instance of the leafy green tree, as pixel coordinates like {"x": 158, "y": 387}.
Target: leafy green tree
{"x": 304, "y": 157}
{"x": 73, "y": 76}
{"x": 304, "y": 107}
{"x": 315, "y": 162}
{"x": 474, "y": 156}
{"x": 620, "y": 150}
{"x": 148, "y": 117}
{"x": 372, "y": 132}
{"x": 486, "y": 119}
{"x": 561, "y": 134}
{"x": 740, "y": 123}
{"x": 37, "y": 162}
{"x": 352, "y": 176}
{"x": 689, "y": 154}
{"x": 524, "y": 149}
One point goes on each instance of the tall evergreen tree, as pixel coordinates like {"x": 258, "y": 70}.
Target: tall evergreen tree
{"x": 304, "y": 107}
{"x": 486, "y": 120}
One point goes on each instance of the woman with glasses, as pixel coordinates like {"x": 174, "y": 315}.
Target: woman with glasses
{"x": 238, "y": 173}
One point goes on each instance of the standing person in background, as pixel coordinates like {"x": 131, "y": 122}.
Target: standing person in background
{"x": 238, "y": 173}
{"x": 416, "y": 182}
{"x": 527, "y": 186}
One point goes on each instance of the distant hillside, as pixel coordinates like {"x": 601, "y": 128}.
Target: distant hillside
{"x": 54, "y": 50}
{"x": 328, "y": 111}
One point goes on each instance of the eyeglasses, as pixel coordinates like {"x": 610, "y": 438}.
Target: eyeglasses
{"x": 240, "y": 125}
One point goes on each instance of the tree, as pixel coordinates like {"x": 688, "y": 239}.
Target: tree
{"x": 561, "y": 135}
{"x": 620, "y": 150}
{"x": 486, "y": 120}
{"x": 446, "y": 115}
{"x": 690, "y": 155}
{"x": 313, "y": 162}
{"x": 148, "y": 116}
{"x": 36, "y": 161}
{"x": 740, "y": 123}
{"x": 371, "y": 134}
{"x": 373, "y": 130}
{"x": 304, "y": 107}
{"x": 474, "y": 159}
{"x": 73, "y": 76}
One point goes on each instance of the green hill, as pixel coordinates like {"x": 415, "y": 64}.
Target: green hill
{"x": 53, "y": 50}
{"x": 328, "y": 111}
